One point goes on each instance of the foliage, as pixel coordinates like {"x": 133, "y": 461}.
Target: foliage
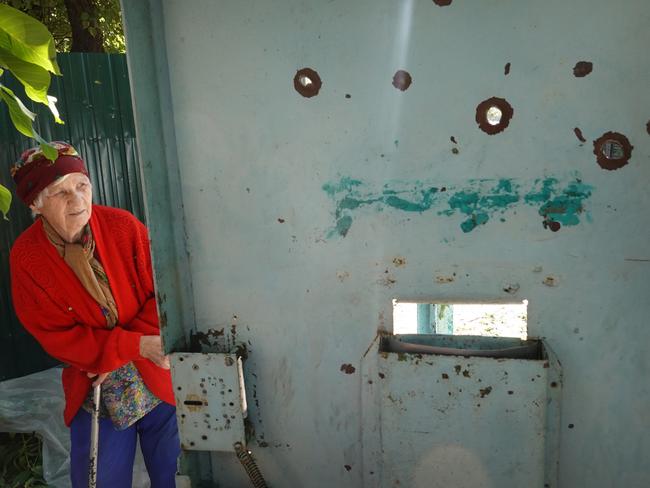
{"x": 104, "y": 18}
{"x": 21, "y": 461}
{"x": 27, "y": 52}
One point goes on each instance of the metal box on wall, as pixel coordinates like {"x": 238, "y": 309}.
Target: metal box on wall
{"x": 438, "y": 420}
{"x": 210, "y": 400}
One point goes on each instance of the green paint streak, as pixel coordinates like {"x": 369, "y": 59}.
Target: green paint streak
{"x": 478, "y": 201}
{"x": 408, "y": 206}
{"x": 543, "y": 194}
{"x": 346, "y": 184}
{"x": 566, "y": 207}
{"x": 343, "y": 225}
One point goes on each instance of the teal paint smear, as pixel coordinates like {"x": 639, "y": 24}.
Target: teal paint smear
{"x": 478, "y": 207}
{"x": 477, "y": 201}
{"x": 343, "y": 225}
{"x": 566, "y": 207}
{"x": 345, "y": 184}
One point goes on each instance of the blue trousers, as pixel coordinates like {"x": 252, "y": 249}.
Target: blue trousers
{"x": 159, "y": 442}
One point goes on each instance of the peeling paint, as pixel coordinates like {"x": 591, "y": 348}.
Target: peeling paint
{"x": 347, "y": 368}
{"x": 582, "y": 69}
{"x": 402, "y": 80}
{"x": 579, "y": 135}
{"x": 444, "y": 279}
{"x": 550, "y": 281}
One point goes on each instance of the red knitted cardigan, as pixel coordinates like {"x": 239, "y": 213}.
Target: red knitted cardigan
{"x": 56, "y": 309}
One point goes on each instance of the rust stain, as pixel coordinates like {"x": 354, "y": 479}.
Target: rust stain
{"x": 466, "y": 374}
{"x": 347, "y": 368}
{"x": 399, "y": 261}
{"x": 402, "y": 80}
{"x": 485, "y": 391}
{"x": 579, "y": 135}
{"x": 454, "y": 150}
{"x": 457, "y": 368}
{"x": 482, "y": 115}
{"x": 442, "y": 3}
{"x": 552, "y": 225}
{"x": 582, "y": 69}
{"x": 281, "y": 220}
{"x": 388, "y": 280}
{"x": 506, "y": 70}
{"x": 347, "y": 467}
{"x": 307, "y": 82}
{"x": 342, "y": 275}
{"x": 445, "y": 376}
{"x": 381, "y": 375}
{"x": 444, "y": 279}
{"x": 550, "y": 281}
{"x": 612, "y": 161}
{"x": 512, "y": 288}
{"x": 453, "y": 139}
{"x": 647, "y": 127}
{"x": 199, "y": 339}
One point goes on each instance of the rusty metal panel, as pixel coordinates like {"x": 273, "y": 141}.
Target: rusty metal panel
{"x": 210, "y": 400}
{"x": 466, "y": 422}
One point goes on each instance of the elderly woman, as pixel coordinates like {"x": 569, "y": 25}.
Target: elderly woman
{"x": 82, "y": 285}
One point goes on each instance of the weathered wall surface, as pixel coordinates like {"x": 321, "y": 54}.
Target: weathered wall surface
{"x": 306, "y": 216}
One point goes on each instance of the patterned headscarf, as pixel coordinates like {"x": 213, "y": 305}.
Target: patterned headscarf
{"x": 34, "y": 172}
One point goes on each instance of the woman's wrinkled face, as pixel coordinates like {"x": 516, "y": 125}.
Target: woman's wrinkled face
{"x": 67, "y": 205}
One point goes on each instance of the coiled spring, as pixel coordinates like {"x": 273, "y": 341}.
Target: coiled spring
{"x": 247, "y": 461}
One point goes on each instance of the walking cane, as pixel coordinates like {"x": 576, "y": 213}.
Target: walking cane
{"x": 94, "y": 438}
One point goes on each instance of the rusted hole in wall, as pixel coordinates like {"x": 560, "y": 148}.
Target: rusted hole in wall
{"x": 402, "y": 80}
{"x": 612, "y": 150}
{"x": 307, "y": 82}
{"x": 442, "y": 3}
{"x": 493, "y": 115}
{"x": 582, "y": 69}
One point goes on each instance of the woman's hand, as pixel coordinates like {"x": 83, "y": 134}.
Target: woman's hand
{"x": 151, "y": 348}
{"x": 99, "y": 379}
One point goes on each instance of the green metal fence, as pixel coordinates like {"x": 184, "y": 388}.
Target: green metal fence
{"x": 95, "y": 102}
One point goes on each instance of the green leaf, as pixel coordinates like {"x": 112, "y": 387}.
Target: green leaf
{"x": 35, "y": 79}
{"x": 27, "y": 39}
{"x": 49, "y": 151}
{"x": 20, "y": 115}
{"x": 51, "y": 102}
{"x": 5, "y": 201}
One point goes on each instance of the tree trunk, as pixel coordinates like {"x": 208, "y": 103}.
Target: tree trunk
{"x": 82, "y": 39}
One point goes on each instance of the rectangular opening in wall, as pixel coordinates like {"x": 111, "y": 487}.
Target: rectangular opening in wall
{"x": 467, "y": 319}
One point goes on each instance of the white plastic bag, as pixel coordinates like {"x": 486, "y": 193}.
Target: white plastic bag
{"x": 34, "y": 403}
